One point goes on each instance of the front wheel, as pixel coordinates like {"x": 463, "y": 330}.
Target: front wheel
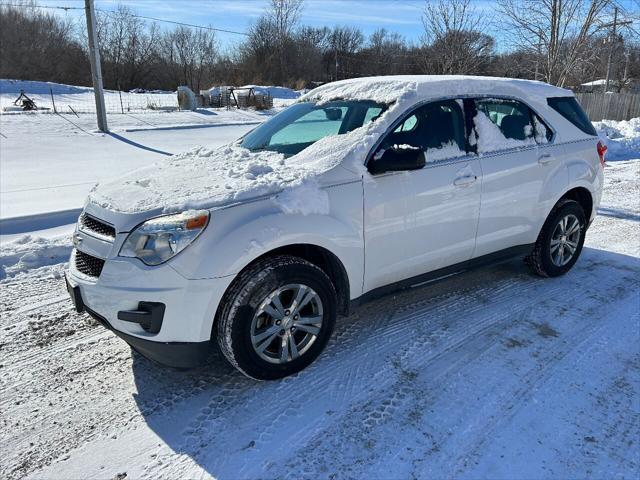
{"x": 277, "y": 317}
{"x": 560, "y": 241}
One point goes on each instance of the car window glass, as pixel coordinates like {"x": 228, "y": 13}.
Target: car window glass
{"x": 501, "y": 124}
{"x": 570, "y": 109}
{"x": 311, "y": 127}
{"x": 436, "y": 128}
{"x": 542, "y": 132}
{"x": 372, "y": 114}
{"x": 511, "y": 117}
{"x": 408, "y": 125}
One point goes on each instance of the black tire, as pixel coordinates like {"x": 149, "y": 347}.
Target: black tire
{"x": 247, "y": 293}
{"x": 540, "y": 259}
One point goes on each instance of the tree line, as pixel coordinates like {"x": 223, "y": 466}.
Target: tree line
{"x": 563, "y": 42}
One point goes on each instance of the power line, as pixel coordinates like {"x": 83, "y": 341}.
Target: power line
{"x": 178, "y": 23}
{"x": 112, "y": 12}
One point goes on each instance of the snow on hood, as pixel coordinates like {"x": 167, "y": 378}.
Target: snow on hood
{"x": 208, "y": 178}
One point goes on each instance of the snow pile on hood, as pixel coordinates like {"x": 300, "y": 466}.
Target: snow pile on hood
{"x": 205, "y": 178}
{"x": 28, "y": 252}
{"x": 198, "y": 178}
{"x": 621, "y": 137}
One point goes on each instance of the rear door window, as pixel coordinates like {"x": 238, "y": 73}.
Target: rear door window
{"x": 504, "y": 123}
{"x": 512, "y": 118}
{"x": 570, "y": 109}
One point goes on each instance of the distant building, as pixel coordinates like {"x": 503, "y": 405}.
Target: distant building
{"x": 631, "y": 85}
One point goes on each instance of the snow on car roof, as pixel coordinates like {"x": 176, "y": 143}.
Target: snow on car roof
{"x": 389, "y": 89}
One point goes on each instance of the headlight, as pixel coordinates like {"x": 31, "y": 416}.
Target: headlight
{"x": 157, "y": 240}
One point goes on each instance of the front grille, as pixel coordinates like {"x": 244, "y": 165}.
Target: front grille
{"x": 88, "y": 264}
{"x": 91, "y": 224}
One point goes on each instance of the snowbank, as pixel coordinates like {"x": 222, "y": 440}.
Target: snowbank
{"x": 79, "y": 99}
{"x": 31, "y": 87}
{"x": 28, "y": 252}
{"x": 621, "y": 137}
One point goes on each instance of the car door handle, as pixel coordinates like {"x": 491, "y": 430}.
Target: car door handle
{"x": 545, "y": 158}
{"x": 464, "y": 181}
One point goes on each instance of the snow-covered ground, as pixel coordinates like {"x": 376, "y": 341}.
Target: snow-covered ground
{"x": 31, "y": 184}
{"x": 491, "y": 374}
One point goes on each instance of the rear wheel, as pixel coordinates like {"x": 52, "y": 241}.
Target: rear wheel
{"x": 560, "y": 241}
{"x": 277, "y": 317}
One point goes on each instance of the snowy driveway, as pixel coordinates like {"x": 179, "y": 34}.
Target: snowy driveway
{"x": 50, "y": 162}
{"x": 493, "y": 373}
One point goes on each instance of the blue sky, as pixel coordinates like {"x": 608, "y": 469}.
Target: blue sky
{"x": 401, "y": 16}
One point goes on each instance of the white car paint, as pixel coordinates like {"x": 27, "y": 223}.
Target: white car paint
{"x": 382, "y": 228}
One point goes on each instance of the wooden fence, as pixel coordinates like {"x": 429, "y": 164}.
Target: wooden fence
{"x": 610, "y": 106}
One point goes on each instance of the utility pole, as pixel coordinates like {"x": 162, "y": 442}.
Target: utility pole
{"x": 336, "y": 63}
{"x": 538, "y": 49}
{"x": 612, "y": 41}
{"x": 96, "y": 71}
{"x": 614, "y": 25}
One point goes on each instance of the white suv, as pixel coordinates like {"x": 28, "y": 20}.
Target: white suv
{"x": 360, "y": 187}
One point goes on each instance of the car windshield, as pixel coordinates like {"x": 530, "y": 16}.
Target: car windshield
{"x": 303, "y": 124}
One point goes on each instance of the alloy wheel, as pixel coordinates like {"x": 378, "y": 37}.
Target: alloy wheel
{"x": 286, "y": 323}
{"x": 565, "y": 240}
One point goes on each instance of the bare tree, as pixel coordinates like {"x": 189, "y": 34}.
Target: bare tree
{"x": 344, "y": 44}
{"x": 558, "y": 31}
{"x": 454, "y": 39}
{"x": 386, "y": 53}
{"x": 284, "y": 16}
{"x": 39, "y": 45}
{"x": 127, "y": 47}
{"x": 190, "y": 55}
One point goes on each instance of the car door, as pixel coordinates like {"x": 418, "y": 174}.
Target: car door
{"x": 422, "y": 220}
{"x": 513, "y": 146}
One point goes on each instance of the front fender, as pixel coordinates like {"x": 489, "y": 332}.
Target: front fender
{"x": 240, "y": 234}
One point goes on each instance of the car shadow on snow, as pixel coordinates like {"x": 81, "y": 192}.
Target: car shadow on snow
{"x": 230, "y": 426}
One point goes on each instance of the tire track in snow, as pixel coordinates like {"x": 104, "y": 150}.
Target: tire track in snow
{"x": 386, "y": 341}
{"x": 328, "y": 452}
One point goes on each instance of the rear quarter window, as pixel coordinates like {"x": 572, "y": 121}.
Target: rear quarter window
{"x": 570, "y": 109}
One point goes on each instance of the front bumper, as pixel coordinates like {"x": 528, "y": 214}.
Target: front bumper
{"x": 180, "y": 333}
{"x": 171, "y": 354}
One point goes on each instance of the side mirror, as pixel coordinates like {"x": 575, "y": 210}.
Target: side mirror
{"x": 396, "y": 159}
{"x": 333, "y": 113}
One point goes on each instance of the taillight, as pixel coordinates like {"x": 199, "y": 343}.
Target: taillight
{"x": 602, "y": 149}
